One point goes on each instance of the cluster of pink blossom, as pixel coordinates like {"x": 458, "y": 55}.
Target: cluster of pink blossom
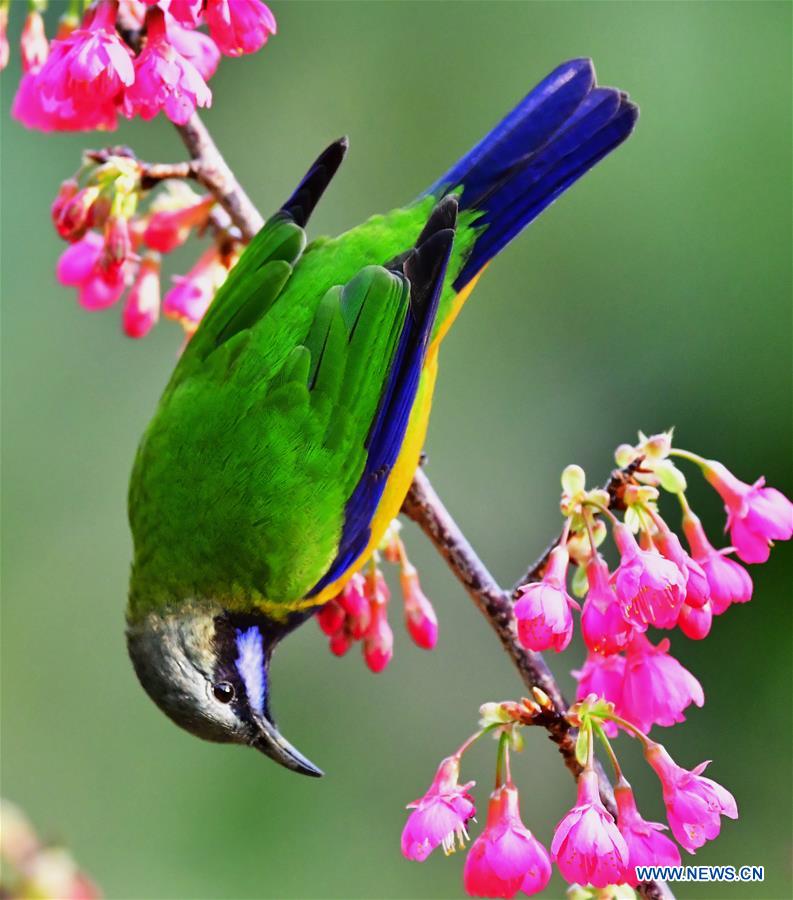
{"x": 360, "y": 611}
{"x": 627, "y": 681}
{"x": 589, "y": 847}
{"x": 657, "y": 583}
{"x": 114, "y": 245}
{"x": 134, "y": 57}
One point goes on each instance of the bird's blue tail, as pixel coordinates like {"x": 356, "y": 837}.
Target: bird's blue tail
{"x": 554, "y": 135}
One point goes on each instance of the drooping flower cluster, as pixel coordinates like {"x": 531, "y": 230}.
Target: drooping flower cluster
{"x": 590, "y": 845}
{"x": 359, "y": 612}
{"x": 115, "y": 244}
{"x": 628, "y": 681}
{"x": 657, "y": 583}
{"x": 133, "y": 58}
{"x": 506, "y": 857}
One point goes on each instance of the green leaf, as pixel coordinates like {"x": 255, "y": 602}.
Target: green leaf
{"x": 582, "y": 743}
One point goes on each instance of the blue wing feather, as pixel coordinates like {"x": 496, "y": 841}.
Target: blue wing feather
{"x": 425, "y": 268}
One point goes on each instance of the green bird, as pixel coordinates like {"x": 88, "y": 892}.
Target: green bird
{"x": 288, "y": 435}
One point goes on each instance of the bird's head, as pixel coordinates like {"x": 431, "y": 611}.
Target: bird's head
{"x": 208, "y": 670}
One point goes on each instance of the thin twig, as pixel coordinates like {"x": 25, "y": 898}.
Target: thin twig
{"x": 216, "y": 176}
{"x": 423, "y": 505}
{"x": 150, "y": 173}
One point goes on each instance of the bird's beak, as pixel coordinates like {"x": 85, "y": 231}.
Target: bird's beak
{"x": 270, "y": 741}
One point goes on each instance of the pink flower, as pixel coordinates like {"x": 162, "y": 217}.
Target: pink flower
{"x": 603, "y": 676}
{"x": 80, "y": 266}
{"x": 197, "y": 47}
{"x": 164, "y": 79}
{"x": 543, "y": 608}
{"x": 440, "y": 815}
{"x": 239, "y": 26}
{"x": 756, "y": 515}
{"x": 378, "y": 643}
{"x": 87, "y": 70}
{"x": 142, "y": 307}
{"x": 587, "y": 846}
{"x": 650, "y": 589}
{"x": 168, "y": 229}
{"x": 506, "y": 857}
{"x": 693, "y": 804}
{"x": 331, "y": 618}
{"x": 646, "y": 846}
{"x": 191, "y": 294}
{"x": 118, "y": 242}
{"x": 697, "y": 587}
{"x": 33, "y": 45}
{"x": 186, "y": 12}
{"x": 602, "y": 624}
{"x": 356, "y": 605}
{"x": 75, "y": 212}
{"x": 656, "y": 688}
{"x": 728, "y": 582}
{"x": 420, "y": 618}
{"x": 695, "y": 622}
{"x": 340, "y": 643}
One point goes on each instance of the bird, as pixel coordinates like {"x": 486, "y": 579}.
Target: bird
{"x": 287, "y": 437}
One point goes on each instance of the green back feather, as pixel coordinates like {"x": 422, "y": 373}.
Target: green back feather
{"x": 240, "y": 482}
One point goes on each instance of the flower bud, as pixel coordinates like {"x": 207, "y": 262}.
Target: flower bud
{"x": 75, "y": 215}
{"x": 624, "y": 455}
{"x": 378, "y": 645}
{"x": 355, "y": 606}
{"x": 694, "y": 621}
{"x": 118, "y": 246}
{"x": 340, "y": 643}
{"x": 420, "y": 618}
{"x": 33, "y": 44}
{"x": 142, "y": 308}
{"x": 573, "y": 479}
{"x": 330, "y": 618}
{"x": 669, "y": 476}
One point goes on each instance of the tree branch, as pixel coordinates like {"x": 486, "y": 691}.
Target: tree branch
{"x": 423, "y": 505}
{"x": 216, "y": 176}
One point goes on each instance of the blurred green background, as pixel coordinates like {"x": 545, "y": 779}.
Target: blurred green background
{"x": 656, "y": 293}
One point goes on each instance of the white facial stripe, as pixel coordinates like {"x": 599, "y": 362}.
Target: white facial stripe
{"x": 250, "y": 665}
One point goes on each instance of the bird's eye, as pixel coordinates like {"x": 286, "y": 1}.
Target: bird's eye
{"x": 223, "y": 691}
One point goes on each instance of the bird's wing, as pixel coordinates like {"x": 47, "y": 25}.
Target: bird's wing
{"x": 259, "y": 476}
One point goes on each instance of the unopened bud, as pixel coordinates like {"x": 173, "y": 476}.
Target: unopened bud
{"x": 541, "y": 697}
{"x": 118, "y": 246}
{"x": 420, "y": 618}
{"x": 340, "y": 643}
{"x": 573, "y": 479}
{"x": 695, "y": 622}
{"x": 669, "y": 476}
{"x": 494, "y": 714}
{"x": 378, "y": 645}
{"x": 75, "y": 216}
{"x": 624, "y": 455}
{"x": 330, "y": 618}
{"x": 657, "y": 446}
{"x": 33, "y": 44}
